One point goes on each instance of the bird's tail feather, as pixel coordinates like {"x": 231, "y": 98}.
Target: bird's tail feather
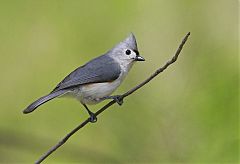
{"x": 43, "y": 100}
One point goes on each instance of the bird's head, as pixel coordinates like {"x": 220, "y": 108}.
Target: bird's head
{"x": 126, "y": 51}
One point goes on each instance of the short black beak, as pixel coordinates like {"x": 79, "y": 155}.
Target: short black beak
{"x": 139, "y": 58}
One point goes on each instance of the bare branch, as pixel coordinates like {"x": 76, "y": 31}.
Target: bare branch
{"x": 158, "y": 71}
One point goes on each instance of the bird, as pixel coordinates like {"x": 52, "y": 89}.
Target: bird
{"x": 97, "y": 79}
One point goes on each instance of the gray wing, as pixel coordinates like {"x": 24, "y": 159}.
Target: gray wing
{"x": 98, "y": 70}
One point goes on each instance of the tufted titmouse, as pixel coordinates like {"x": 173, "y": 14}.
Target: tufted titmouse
{"x": 98, "y": 79}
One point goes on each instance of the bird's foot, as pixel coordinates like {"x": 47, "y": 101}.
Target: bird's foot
{"x": 117, "y": 98}
{"x": 92, "y": 117}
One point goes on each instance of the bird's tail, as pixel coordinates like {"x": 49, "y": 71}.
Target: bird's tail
{"x": 43, "y": 100}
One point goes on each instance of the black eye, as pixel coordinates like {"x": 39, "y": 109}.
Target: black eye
{"x": 128, "y": 52}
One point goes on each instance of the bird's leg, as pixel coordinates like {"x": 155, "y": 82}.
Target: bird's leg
{"x": 117, "y": 98}
{"x": 93, "y": 118}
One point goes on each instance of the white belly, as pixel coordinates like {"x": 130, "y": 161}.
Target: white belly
{"x": 92, "y": 93}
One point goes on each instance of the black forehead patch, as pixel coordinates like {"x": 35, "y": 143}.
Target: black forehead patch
{"x": 136, "y": 51}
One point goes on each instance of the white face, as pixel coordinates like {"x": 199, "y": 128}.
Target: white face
{"x": 125, "y": 53}
{"x": 129, "y": 54}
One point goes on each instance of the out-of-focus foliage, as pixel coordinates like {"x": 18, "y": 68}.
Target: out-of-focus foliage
{"x": 188, "y": 114}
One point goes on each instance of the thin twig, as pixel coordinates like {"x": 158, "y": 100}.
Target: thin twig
{"x": 158, "y": 71}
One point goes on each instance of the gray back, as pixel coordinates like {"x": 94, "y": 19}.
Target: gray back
{"x": 99, "y": 70}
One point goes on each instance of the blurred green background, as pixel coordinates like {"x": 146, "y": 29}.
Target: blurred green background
{"x": 188, "y": 114}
